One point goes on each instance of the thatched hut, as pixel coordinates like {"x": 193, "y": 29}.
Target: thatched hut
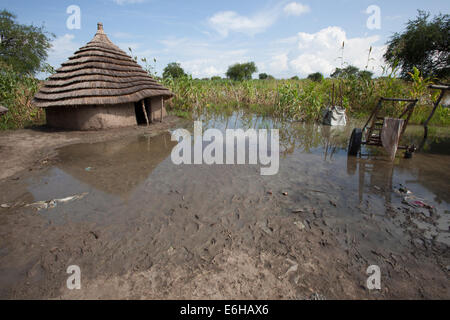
{"x": 101, "y": 87}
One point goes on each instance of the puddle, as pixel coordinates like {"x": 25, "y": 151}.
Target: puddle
{"x": 124, "y": 177}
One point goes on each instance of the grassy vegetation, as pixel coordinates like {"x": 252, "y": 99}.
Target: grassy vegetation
{"x": 301, "y": 100}
{"x": 291, "y": 100}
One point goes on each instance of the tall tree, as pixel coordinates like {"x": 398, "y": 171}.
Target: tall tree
{"x": 425, "y": 44}
{"x": 174, "y": 71}
{"x": 24, "y": 47}
{"x": 242, "y": 71}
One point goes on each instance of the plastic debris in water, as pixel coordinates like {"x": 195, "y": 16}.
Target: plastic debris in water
{"x": 40, "y": 205}
{"x": 403, "y": 189}
{"x": 416, "y": 202}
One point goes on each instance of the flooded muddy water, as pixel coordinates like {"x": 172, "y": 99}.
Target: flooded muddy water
{"x": 153, "y": 229}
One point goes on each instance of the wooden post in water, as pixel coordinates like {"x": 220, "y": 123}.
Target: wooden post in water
{"x": 145, "y": 112}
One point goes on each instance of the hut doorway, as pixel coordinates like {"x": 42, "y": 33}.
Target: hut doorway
{"x": 140, "y": 115}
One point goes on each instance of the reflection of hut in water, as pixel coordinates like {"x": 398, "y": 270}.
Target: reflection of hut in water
{"x": 101, "y": 87}
{"x": 116, "y": 167}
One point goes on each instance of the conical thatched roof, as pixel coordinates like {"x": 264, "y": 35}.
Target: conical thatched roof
{"x": 99, "y": 73}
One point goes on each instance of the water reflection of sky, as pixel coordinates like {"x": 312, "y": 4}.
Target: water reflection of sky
{"x": 124, "y": 171}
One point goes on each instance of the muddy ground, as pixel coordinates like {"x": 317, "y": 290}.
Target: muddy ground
{"x": 150, "y": 230}
{"x": 27, "y": 149}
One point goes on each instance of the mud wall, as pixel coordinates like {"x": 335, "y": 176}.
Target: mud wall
{"x": 156, "y": 107}
{"x": 91, "y": 117}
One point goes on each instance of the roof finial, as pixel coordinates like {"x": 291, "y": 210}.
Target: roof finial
{"x": 100, "y": 26}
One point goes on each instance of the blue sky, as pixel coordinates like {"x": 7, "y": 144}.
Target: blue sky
{"x": 283, "y": 38}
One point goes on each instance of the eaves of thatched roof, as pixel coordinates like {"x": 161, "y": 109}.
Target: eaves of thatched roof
{"x": 99, "y": 73}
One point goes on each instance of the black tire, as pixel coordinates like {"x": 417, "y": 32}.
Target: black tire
{"x": 355, "y": 142}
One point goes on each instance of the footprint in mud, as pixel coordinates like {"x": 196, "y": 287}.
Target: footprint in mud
{"x": 191, "y": 227}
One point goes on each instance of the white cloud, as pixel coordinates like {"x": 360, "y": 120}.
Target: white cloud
{"x": 224, "y": 22}
{"x": 279, "y": 63}
{"x": 62, "y": 48}
{"x": 309, "y": 63}
{"x": 301, "y": 54}
{"x": 320, "y": 52}
{"x": 123, "y": 2}
{"x": 203, "y": 58}
{"x": 202, "y": 68}
{"x": 296, "y": 9}
{"x": 213, "y": 62}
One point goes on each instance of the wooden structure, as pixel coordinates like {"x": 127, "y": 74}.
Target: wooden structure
{"x": 371, "y": 132}
{"x": 445, "y": 93}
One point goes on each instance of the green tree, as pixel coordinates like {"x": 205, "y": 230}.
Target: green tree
{"x": 241, "y": 71}
{"x": 174, "y": 71}
{"x": 21, "y": 46}
{"x": 295, "y": 78}
{"x": 316, "y": 77}
{"x": 425, "y": 44}
{"x": 265, "y": 76}
{"x": 347, "y": 72}
{"x": 365, "y": 74}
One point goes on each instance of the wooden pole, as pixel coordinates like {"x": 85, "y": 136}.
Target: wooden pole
{"x": 145, "y": 112}
{"x": 332, "y": 97}
{"x": 162, "y": 106}
{"x": 436, "y": 104}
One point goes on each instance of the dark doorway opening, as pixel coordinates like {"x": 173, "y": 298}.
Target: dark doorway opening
{"x": 140, "y": 116}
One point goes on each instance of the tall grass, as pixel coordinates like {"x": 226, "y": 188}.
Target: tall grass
{"x": 301, "y": 100}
